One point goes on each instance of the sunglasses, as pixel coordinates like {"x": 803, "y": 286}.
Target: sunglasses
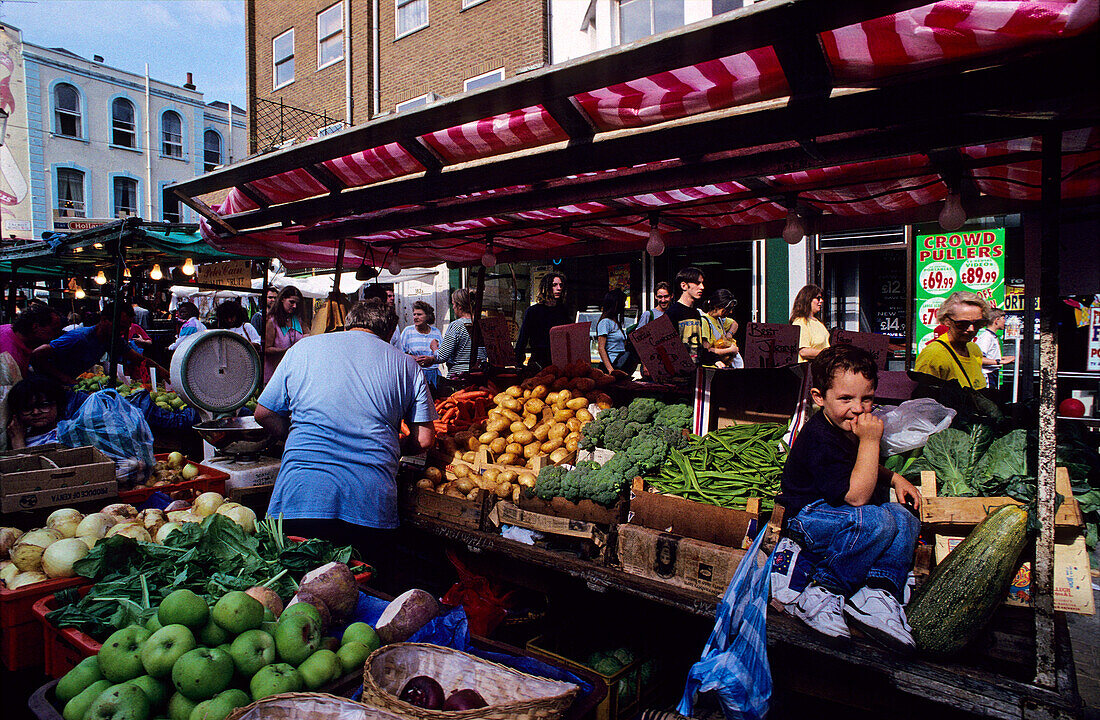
{"x": 964, "y": 324}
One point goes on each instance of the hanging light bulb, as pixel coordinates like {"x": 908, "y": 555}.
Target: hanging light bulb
{"x": 188, "y": 267}
{"x": 98, "y": 246}
{"x": 78, "y": 249}
{"x": 953, "y": 215}
{"x": 155, "y": 273}
{"x": 656, "y": 243}
{"x": 100, "y": 278}
{"x": 489, "y": 258}
{"x": 395, "y": 264}
{"x": 125, "y": 272}
{"x": 80, "y": 294}
{"x": 795, "y": 229}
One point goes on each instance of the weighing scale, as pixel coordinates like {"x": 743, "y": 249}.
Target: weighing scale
{"x": 217, "y": 372}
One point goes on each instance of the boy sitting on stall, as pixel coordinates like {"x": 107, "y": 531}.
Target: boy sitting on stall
{"x": 835, "y": 495}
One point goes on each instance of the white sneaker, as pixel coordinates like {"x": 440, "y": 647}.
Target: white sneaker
{"x": 822, "y": 611}
{"x": 880, "y": 615}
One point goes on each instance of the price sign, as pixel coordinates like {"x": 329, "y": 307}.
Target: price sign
{"x": 663, "y": 353}
{"x": 948, "y": 262}
{"x": 570, "y": 343}
{"x": 1093, "y": 361}
{"x": 497, "y": 340}
{"x": 770, "y": 345}
{"x": 877, "y": 345}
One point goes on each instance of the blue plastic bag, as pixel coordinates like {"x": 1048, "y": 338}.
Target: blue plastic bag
{"x": 118, "y": 429}
{"x": 734, "y": 665}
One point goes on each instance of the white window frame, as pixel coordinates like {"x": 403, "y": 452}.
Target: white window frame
{"x": 115, "y": 195}
{"x": 418, "y": 101}
{"x": 466, "y": 83}
{"x": 652, "y": 20}
{"x": 276, "y": 61}
{"x": 338, "y": 31}
{"x": 166, "y": 146}
{"x": 119, "y": 126}
{"x": 60, "y": 111}
{"x": 467, "y": 4}
{"x": 221, "y": 150}
{"x": 397, "y": 6}
{"x": 76, "y": 211}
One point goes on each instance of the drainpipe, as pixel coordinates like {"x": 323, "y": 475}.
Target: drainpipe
{"x": 347, "y": 63}
{"x": 148, "y": 149}
{"x": 376, "y": 63}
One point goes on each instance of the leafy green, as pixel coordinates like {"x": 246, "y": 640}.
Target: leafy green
{"x": 954, "y": 456}
{"x": 1003, "y": 463}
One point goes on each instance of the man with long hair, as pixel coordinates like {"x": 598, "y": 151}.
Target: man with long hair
{"x": 548, "y": 312}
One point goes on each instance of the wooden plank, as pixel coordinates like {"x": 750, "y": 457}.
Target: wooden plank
{"x": 972, "y": 510}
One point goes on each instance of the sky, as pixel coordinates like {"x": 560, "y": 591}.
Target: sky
{"x": 203, "y": 37}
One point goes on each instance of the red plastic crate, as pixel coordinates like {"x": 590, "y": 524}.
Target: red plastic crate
{"x": 62, "y": 648}
{"x": 19, "y": 646}
{"x": 208, "y": 480}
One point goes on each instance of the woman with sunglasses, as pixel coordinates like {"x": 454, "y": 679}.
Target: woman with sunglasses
{"x": 717, "y": 331}
{"x": 954, "y": 355}
{"x": 814, "y": 336}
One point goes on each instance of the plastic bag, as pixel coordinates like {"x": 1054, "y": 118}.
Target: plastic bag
{"x": 909, "y": 425}
{"x": 734, "y": 665}
{"x": 486, "y": 602}
{"x": 118, "y": 429}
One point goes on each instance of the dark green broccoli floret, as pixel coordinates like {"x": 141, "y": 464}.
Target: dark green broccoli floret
{"x": 549, "y": 482}
{"x": 592, "y": 434}
{"x": 642, "y": 410}
{"x": 674, "y": 416}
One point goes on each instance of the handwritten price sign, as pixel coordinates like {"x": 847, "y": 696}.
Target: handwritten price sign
{"x": 663, "y": 353}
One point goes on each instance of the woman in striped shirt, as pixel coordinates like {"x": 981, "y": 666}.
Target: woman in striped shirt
{"x": 456, "y": 350}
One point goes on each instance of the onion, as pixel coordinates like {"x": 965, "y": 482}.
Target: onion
{"x": 65, "y": 521}
{"x": 131, "y": 530}
{"x": 164, "y": 531}
{"x": 27, "y": 553}
{"x": 177, "y": 505}
{"x": 207, "y": 504}
{"x": 8, "y": 537}
{"x": 26, "y": 578}
{"x": 7, "y": 571}
{"x": 424, "y": 692}
{"x": 151, "y": 519}
{"x": 95, "y": 525}
{"x": 122, "y": 511}
{"x": 466, "y": 699}
{"x": 239, "y": 514}
{"x": 57, "y": 561}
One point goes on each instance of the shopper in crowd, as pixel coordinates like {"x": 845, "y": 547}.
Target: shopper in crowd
{"x": 662, "y": 295}
{"x": 386, "y": 294}
{"x": 257, "y": 321}
{"x": 141, "y": 343}
{"x": 836, "y": 494}
{"x": 36, "y": 325}
{"x": 813, "y": 335}
{"x": 954, "y": 355}
{"x": 285, "y": 326}
{"x": 684, "y": 313}
{"x": 34, "y": 405}
{"x": 78, "y": 350}
{"x": 990, "y": 343}
{"x": 337, "y": 480}
{"x": 141, "y": 315}
{"x": 422, "y": 338}
{"x": 74, "y": 320}
{"x": 718, "y": 328}
{"x": 230, "y": 315}
{"x": 187, "y": 314}
{"x": 548, "y": 312}
{"x": 610, "y": 336}
{"x": 457, "y": 347}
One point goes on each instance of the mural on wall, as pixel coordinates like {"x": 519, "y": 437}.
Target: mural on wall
{"x": 15, "y": 200}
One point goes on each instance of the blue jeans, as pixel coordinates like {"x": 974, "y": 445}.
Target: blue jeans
{"x": 867, "y": 545}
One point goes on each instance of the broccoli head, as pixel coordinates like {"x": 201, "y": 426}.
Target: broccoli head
{"x": 674, "y": 416}
{"x": 549, "y": 482}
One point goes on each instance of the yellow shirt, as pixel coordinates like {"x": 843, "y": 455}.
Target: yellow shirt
{"x": 935, "y": 359}
{"x": 813, "y": 334}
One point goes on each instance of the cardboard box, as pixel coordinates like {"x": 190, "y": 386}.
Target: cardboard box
{"x": 680, "y": 561}
{"x": 680, "y": 516}
{"x": 505, "y": 513}
{"x": 584, "y": 511}
{"x": 1072, "y": 577}
{"x": 53, "y": 475}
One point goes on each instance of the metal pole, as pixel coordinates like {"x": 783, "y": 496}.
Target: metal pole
{"x": 117, "y": 343}
{"x": 1043, "y": 576}
{"x": 263, "y": 313}
{"x": 475, "y": 339}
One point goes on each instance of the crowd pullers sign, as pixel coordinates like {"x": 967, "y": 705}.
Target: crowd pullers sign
{"x": 948, "y": 262}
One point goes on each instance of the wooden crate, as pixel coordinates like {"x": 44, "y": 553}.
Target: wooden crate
{"x": 935, "y": 510}
{"x": 709, "y": 523}
{"x": 472, "y": 514}
{"x": 584, "y": 511}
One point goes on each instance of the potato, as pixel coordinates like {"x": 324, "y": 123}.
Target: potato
{"x": 550, "y": 446}
{"x": 558, "y": 430}
{"x": 577, "y": 403}
{"x": 530, "y": 464}
{"x": 455, "y": 493}
{"x": 563, "y": 415}
{"x": 533, "y": 450}
{"x": 517, "y": 426}
{"x": 512, "y": 416}
{"x": 571, "y": 444}
{"x": 526, "y": 394}
{"x": 516, "y": 492}
{"x": 564, "y": 396}
{"x": 574, "y": 424}
{"x": 473, "y": 443}
{"x": 514, "y": 447}
{"x": 542, "y": 432}
{"x": 425, "y": 484}
{"x": 530, "y": 421}
{"x": 485, "y": 484}
{"x": 464, "y": 484}
{"x": 573, "y": 436}
{"x": 497, "y": 425}
{"x": 512, "y": 404}
{"x": 551, "y": 398}
{"x": 469, "y": 456}
{"x": 433, "y": 473}
{"x": 584, "y": 416}
{"x": 559, "y": 455}
{"x": 547, "y": 414}
{"x": 500, "y": 398}
{"x": 487, "y": 437}
{"x": 515, "y": 391}
{"x": 443, "y": 488}
{"x": 527, "y": 479}
{"x": 507, "y": 476}
{"x": 490, "y": 474}
{"x": 504, "y": 490}
{"x": 524, "y": 438}
{"x": 460, "y": 471}
{"x": 510, "y": 458}
{"x": 534, "y": 406}
{"x": 539, "y": 392}
{"x": 498, "y": 445}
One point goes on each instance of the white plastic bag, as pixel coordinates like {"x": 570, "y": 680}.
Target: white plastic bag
{"x": 909, "y": 425}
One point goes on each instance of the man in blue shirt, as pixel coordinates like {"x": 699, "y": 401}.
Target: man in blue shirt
{"x": 339, "y": 399}
{"x": 78, "y": 350}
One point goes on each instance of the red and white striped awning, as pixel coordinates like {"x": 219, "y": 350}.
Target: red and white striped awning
{"x": 870, "y": 52}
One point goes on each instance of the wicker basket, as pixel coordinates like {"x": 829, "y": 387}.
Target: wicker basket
{"x": 308, "y": 706}
{"x": 511, "y": 695}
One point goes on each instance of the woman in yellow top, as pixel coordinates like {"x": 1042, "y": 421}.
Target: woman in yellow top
{"x": 814, "y": 336}
{"x": 717, "y": 331}
{"x": 954, "y": 355}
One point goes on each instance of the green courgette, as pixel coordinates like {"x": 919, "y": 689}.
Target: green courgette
{"x": 965, "y": 589}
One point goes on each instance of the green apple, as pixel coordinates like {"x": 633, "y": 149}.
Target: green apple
{"x": 153, "y": 624}
{"x": 330, "y": 643}
{"x": 360, "y": 632}
{"x": 274, "y": 680}
{"x": 221, "y": 705}
{"x": 120, "y": 655}
{"x": 202, "y": 673}
{"x": 303, "y": 607}
{"x": 120, "y": 702}
{"x": 73, "y": 683}
{"x": 165, "y": 647}
{"x": 237, "y": 611}
{"x": 78, "y": 706}
{"x": 352, "y": 655}
{"x": 268, "y": 627}
{"x": 183, "y": 607}
{"x": 251, "y": 651}
{"x": 212, "y": 635}
{"x": 268, "y": 615}
{"x": 320, "y": 668}
{"x": 156, "y": 690}
{"x": 297, "y": 636}
{"x": 180, "y": 706}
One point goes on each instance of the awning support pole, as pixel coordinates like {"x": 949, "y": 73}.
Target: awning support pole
{"x": 475, "y": 340}
{"x": 263, "y": 313}
{"x": 118, "y": 342}
{"x": 339, "y": 269}
{"x": 1043, "y": 575}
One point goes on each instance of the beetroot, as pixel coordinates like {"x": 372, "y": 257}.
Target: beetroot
{"x": 424, "y": 692}
{"x": 406, "y": 614}
{"x": 464, "y": 700}
{"x": 335, "y": 584}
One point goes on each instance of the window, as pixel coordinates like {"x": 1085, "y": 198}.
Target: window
{"x": 470, "y": 3}
{"x": 125, "y": 192}
{"x": 476, "y": 83}
{"x": 123, "y": 128}
{"x": 642, "y": 18}
{"x": 330, "y": 35}
{"x": 70, "y": 193}
{"x": 282, "y": 55}
{"x": 411, "y": 15}
{"x": 718, "y": 7}
{"x": 330, "y": 129}
{"x": 415, "y": 102}
{"x": 171, "y": 135}
{"x": 172, "y": 212}
{"x": 67, "y": 118}
{"x": 211, "y": 150}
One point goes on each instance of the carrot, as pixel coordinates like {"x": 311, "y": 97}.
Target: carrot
{"x": 469, "y": 395}
{"x": 449, "y": 414}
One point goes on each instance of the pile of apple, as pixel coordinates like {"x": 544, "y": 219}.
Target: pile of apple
{"x": 195, "y": 662}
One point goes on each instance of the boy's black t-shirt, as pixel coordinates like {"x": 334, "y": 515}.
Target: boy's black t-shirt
{"x": 819, "y": 466}
{"x": 688, "y": 321}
